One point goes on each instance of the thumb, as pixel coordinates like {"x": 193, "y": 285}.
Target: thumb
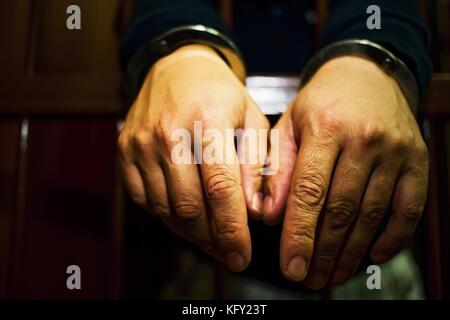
{"x": 282, "y": 155}
{"x": 252, "y": 152}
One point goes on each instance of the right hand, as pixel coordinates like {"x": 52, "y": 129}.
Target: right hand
{"x": 206, "y": 203}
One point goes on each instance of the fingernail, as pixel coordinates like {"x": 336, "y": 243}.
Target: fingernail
{"x": 257, "y": 202}
{"x": 235, "y": 261}
{"x": 297, "y": 268}
{"x": 268, "y": 203}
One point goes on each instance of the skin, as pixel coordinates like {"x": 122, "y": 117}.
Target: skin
{"x": 205, "y": 204}
{"x": 346, "y": 153}
{"x": 353, "y": 147}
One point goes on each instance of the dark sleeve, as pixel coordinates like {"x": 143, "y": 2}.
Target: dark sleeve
{"x": 151, "y": 18}
{"x": 401, "y": 31}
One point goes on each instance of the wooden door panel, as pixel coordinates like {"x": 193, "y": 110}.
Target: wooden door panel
{"x": 14, "y": 35}
{"x": 69, "y": 213}
{"x": 93, "y": 49}
{"x": 9, "y": 151}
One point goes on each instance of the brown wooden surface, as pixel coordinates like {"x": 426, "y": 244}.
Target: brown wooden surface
{"x": 69, "y": 197}
{"x": 9, "y": 151}
{"x": 91, "y": 50}
{"x": 437, "y": 100}
{"x": 62, "y": 94}
{"x": 14, "y": 28}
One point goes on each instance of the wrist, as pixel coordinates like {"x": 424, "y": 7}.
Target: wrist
{"x": 190, "y": 52}
{"x": 359, "y": 75}
{"x": 353, "y": 64}
{"x": 187, "y": 52}
{"x": 385, "y": 59}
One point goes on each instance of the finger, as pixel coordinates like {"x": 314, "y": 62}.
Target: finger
{"x": 155, "y": 188}
{"x": 130, "y": 174}
{"x": 143, "y": 176}
{"x": 223, "y": 189}
{"x": 373, "y": 206}
{"x": 186, "y": 198}
{"x": 282, "y": 155}
{"x": 133, "y": 183}
{"x": 252, "y": 154}
{"x": 308, "y": 189}
{"x": 408, "y": 203}
{"x": 344, "y": 195}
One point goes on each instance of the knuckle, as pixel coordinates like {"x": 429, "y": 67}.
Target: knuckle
{"x": 188, "y": 209}
{"x": 228, "y": 232}
{"x": 141, "y": 140}
{"x": 122, "y": 145}
{"x": 371, "y": 135}
{"x": 309, "y": 190}
{"x": 372, "y": 215}
{"x": 421, "y": 151}
{"x": 138, "y": 198}
{"x": 301, "y": 236}
{"x": 399, "y": 144}
{"x": 328, "y": 120}
{"x": 221, "y": 185}
{"x": 159, "y": 208}
{"x": 164, "y": 132}
{"x": 412, "y": 212}
{"x": 340, "y": 213}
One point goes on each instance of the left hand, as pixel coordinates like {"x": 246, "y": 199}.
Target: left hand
{"x": 351, "y": 146}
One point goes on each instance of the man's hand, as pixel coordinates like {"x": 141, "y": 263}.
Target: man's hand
{"x": 204, "y": 203}
{"x": 349, "y": 146}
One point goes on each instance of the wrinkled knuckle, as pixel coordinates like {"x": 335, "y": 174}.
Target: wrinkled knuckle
{"x": 301, "y": 236}
{"x": 228, "y": 232}
{"x": 221, "y": 185}
{"x": 188, "y": 209}
{"x": 412, "y": 212}
{"x": 309, "y": 190}
{"x": 372, "y": 215}
{"x": 340, "y": 213}
{"x": 371, "y": 135}
{"x": 159, "y": 208}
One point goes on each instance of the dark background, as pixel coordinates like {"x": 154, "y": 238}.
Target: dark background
{"x": 61, "y": 200}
